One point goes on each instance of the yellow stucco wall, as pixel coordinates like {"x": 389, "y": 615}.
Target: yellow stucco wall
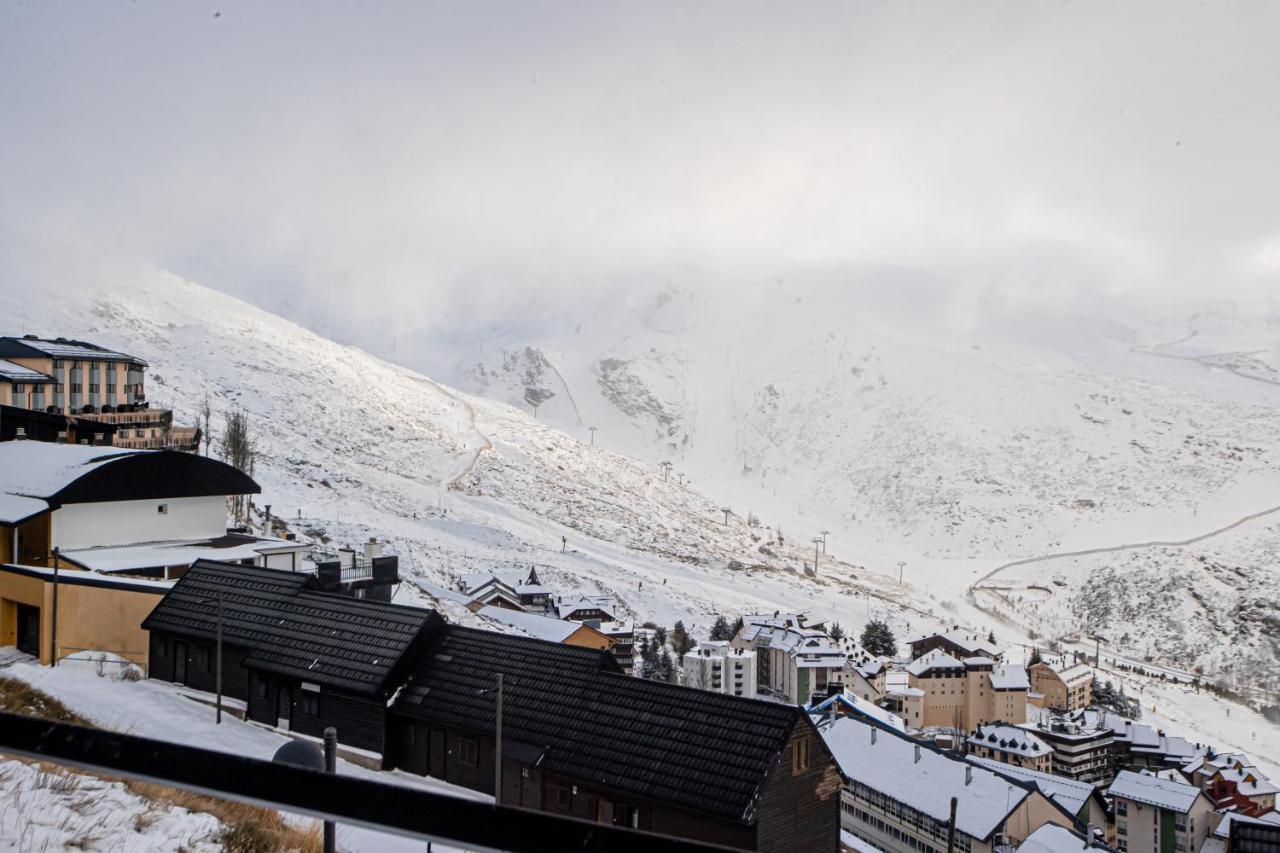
{"x": 89, "y": 617}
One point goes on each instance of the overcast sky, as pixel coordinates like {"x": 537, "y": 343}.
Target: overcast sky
{"x": 394, "y": 164}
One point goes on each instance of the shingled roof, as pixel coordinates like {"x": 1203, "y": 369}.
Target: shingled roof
{"x": 693, "y": 748}
{"x": 333, "y": 640}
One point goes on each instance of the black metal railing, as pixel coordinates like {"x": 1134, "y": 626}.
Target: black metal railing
{"x": 379, "y": 806}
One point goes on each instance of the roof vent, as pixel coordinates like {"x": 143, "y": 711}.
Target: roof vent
{"x": 917, "y": 758}
{"x": 968, "y": 773}
{"x": 30, "y": 337}
{"x": 20, "y": 433}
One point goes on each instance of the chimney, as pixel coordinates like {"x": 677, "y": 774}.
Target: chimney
{"x": 873, "y": 735}
{"x": 20, "y": 433}
{"x": 917, "y": 758}
{"x": 372, "y": 548}
{"x": 968, "y": 773}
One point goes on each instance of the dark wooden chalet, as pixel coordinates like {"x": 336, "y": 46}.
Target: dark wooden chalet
{"x": 581, "y": 738}
{"x": 301, "y": 659}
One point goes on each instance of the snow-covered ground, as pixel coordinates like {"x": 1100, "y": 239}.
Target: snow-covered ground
{"x": 964, "y": 458}
{"x": 167, "y": 712}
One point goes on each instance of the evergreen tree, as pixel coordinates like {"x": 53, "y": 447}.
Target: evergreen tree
{"x": 666, "y": 668}
{"x": 837, "y": 633}
{"x": 991, "y": 637}
{"x": 720, "y": 630}
{"x": 737, "y": 626}
{"x": 660, "y": 635}
{"x": 681, "y": 641}
{"x": 878, "y": 639}
{"x": 1035, "y": 656}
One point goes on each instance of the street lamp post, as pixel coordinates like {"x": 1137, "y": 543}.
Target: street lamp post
{"x": 217, "y": 666}
{"x": 824, "y": 539}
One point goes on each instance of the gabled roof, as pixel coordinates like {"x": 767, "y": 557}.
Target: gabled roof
{"x": 1271, "y": 818}
{"x": 1164, "y": 793}
{"x": 658, "y": 742}
{"x": 1010, "y": 739}
{"x": 542, "y": 627}
{"x": 333, "y": 640}
{"x": 1071, "y": 794}
{"x": 1009, "y": 677}
{"x": 11, "y": 372}
{"x": 972, "y": 644}
{"x": 857, "y": 705}
{"x": 57, "y": 474}
{"x": 933, "y": 659}
{"x": 924, "y": 777}
{"x": 1051, "y": 838}
{"x": 30, "y": 346}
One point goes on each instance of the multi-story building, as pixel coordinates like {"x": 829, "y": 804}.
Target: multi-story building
{"x": 1082, "y": 799}
{"x": 77, "y": 378}
{"x": 1232, "y": 781}
{"x": 1160, "y": 815}
{"x": 961, "y": 694}
{"x": 956, "y": 643}
{"x": 793, "y": 664}
{"x": 1061, "y": 686}
{"x": 717, "y": 665}
{"x": 1011, "y": 745}
{"x": 898, "y": 794}
{"x": 1081, "y": 750}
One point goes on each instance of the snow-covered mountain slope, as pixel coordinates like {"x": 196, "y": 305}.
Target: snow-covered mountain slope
{"x": 356, "y": 446}
{"x": 942, "y": 445}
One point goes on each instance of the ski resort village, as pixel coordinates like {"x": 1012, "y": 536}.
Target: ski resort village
{"x": 563, "y": 426}
{"x": 482, "y": 635}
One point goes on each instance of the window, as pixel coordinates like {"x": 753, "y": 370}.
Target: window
{"x": 469, "y": 752}
{"x": 200, "y": 658}
{"x": 799, "y": 756}
{"x": 1122, "y": 807}
{"x": 19, "y": 388}
{"x": 57, "y": 364}
{"x": 164, "y": 648}
{"x": 76, "y": 387}
{"x": 309, "y": 703}
{"x": 561, "y": 797}
{"x": 260, "y": 688}
{"x": 93, "y": 387}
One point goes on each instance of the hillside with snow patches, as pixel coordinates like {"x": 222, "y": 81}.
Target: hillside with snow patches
{"x": 1020, "y": 462}
{"x": 351, "y": 446}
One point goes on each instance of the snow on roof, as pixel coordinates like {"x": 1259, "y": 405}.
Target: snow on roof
{"x": 1271, "y": 818}
{"x": 1071, "y": 794}
{"x": 1248, "y": 780}
{"x": 1164, "y": 793}
{"x": 568, "y": 604}
{"x": 16, "y": 508}
{"x": 973, "y": 644}
{"x": 1052, "y": 838}
{"x": 151, "y": 555}
{"x": 1010, "y": 677}
{"x": 860, "y": 706}
{"x": 922, "y": 778}
{"x": 517, "y": 580}
{"x": 20, "y": 373}
{"x": 542, "y": 627}
{"x": 935, "y": 659}
{"x": 1011, "y": 739}
{"x": 41, "y": 469}
{"x": 978, "y": 660}
{"x": 74, "y": 350}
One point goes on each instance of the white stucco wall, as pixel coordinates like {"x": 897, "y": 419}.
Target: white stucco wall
{"x": 126, "y": 522}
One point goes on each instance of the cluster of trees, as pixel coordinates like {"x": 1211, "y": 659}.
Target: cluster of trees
{"x": 238, "y": 449}
{"x": 724, "y": 630}
{"x": 1107, "y": 695}
{"x": 656, "y": 651}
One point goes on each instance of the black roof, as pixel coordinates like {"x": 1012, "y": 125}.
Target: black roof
{"x": 336, "y": 641}
{"x": 152, "y": 474}
{"x": 693, "y": 748}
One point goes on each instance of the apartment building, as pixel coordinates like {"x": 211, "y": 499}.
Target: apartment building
{"x": 1010, "y": 745}
{"x": 1232, "y": 781}
{"x": 957, "y": 643}
{"x": 716, "y": 665}
{"x": 793, "y": 664}
{"x": 962, "y": 694}
{"x": 898, "y": 793}
{"x": 71, "y": 377}
{"x": 1158, "y": 815}
{"x": 1061, "y": 686}
{"x": 1082, "y": 749}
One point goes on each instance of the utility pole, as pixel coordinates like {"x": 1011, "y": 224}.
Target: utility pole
{"x": 902, "y": 564}
{"x": 593, "y": 435}
{"x": 218, "y": 663}
{"x": 497, "y": 747}
{"x": 824, "y": 539}
{"x": 951, "y": 827}
{"x": 666, "y": 470}
{"x": 817, "y": 541}
{"x": 53, "y": 627}
{"x": 726, "y": 510}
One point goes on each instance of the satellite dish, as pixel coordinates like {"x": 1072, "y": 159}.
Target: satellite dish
{"x": 300, "y": 753}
